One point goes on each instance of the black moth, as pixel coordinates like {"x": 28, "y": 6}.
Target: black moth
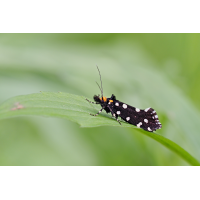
{"x": 146, "y": 119}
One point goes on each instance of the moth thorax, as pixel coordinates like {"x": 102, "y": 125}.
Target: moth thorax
{"x": 104, "y": 99}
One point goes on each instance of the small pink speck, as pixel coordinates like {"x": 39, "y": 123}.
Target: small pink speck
{"x": 17, "y": 106}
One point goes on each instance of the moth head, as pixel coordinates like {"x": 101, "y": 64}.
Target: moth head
{"x": 97, "y": 99}
{"x": 100, "y": 99}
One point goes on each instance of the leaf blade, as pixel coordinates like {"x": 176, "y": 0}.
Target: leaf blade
{"x": 74, "y": 108}
{"x": 174, "y": 147}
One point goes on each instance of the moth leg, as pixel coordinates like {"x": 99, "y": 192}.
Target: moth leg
{"x": 98, "y": 112}
{"x": 118, "y": 121}
{"x": 114, "y": 115}
{"x": 92, "y": 102}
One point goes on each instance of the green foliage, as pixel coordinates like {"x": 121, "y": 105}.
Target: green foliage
{"x": 76, "y": 109}
{"x": 143, "y": 70}
{"x": 63, "y": 105}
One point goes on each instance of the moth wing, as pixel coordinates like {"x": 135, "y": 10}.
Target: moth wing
{"x": 146, "y": 119}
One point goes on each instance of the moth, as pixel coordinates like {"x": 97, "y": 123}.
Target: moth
{"x": 146, "y": 119}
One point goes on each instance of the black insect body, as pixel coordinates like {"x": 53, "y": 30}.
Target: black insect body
{"x": 146, "y": 119}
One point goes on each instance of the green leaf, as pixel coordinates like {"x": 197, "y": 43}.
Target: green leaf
{"x": 174, "y": 147}
{"x": 75, "y": 108}
{"x": 64, "y": 105}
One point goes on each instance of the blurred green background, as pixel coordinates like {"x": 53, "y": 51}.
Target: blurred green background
{"x": 144, "y": 70}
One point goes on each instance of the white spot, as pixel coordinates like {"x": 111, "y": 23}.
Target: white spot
{"x": 117, "y": 104}
{"x": 156, "y": 116}
{"x": 137, "y": 110}
{"x": 146, "y": 109}
{"x": 152, "y": 117}
{"x": 124, "y": 106}
{"x": 99, "y": 111}
{"x": 159, "y": 123}
{"x": 139, "y": 124}
{"x": 146, "y": 120}
{"x": 128, "y": 118}
{"x": 154, "y": 111}
{"x": 114, "y": 115}
{"x": 149, "y": 129}
{"x": 118, "y": 112}
{"x": 109, "y": 102}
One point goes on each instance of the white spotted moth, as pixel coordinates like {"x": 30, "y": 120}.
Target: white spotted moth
{"x": 146, "y": 119}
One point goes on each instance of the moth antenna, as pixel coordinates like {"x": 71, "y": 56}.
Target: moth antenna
{"x": 99, "y": 87}
{"x": 101, "y": 82}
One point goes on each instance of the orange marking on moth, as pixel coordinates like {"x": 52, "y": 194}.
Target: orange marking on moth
{"x": 104, "y": 99}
